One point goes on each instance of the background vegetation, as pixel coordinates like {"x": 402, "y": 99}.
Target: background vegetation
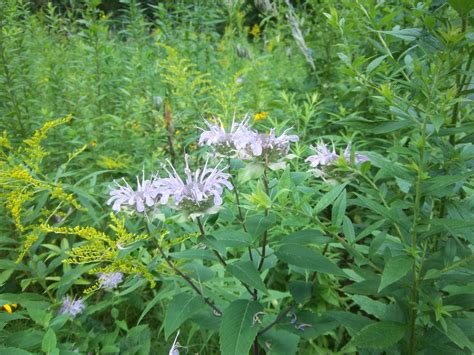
{"x": 132, "y": 80}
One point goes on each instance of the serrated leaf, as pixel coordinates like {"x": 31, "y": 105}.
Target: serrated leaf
{"x": 394, "y": 270}
{"x": 181, "y": 308}
{"x": 306, "y": 258}
{"x": 379, "y": 335}
{"x": 237, "y": 330}
{"x": 457, "y": 336}
{"x": 246, "y": 272}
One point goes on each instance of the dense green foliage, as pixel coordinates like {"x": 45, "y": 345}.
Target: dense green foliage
{"x": 370, "y": 258}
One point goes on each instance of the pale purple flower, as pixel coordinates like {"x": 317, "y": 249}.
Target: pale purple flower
{"x": 124, "y": 197}
{"x": 323, "y": 156}
{"x": 198, "y": 193}
{"x": 72, "y": 306}
{"x": 358, "y": 158}
{"x": 110, "y": 279}
{"x": 326, "y": 157}
{"x": 230, "y": 143}
{"x": 174, "y": 348}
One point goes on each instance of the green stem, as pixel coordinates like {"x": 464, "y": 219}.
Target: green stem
{"x": 414, "y": 236}
{"x": 186, "y": 278}
{"x": 265, "y": 234}
{"x": 203, "y": 233}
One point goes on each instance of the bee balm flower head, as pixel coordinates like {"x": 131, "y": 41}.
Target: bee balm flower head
{"x": 72, "y": 306}
{"x": 198, "y": 193}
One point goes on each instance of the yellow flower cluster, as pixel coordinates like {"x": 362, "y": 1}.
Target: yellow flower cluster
{"x": 19, "y": 171}
{"x": 104, "y": 249}
{"x": 259, "y": 116}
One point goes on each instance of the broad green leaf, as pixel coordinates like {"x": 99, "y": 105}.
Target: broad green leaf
{"x": 394, "y": 270}
{"x": 329, "y": 198}
{"x": 279, "y": 342}
{"x": 181, "y": 308}
{"x": 246, "y": 272}
{"x": 49, "y": 341}
{"x": 370, "y": 306}
{"x": 463, "y": 7}
{"x": 306, "y": 236}
{"x": 300, "y": 290}
{"x": 379, "y": 335}
{"x": 457, "y": 336}
{"x": 258, "y": 224}
{"x": 306, "y": 258}
{"x": 238, "y": 328}
{"x": 232, "y": 238}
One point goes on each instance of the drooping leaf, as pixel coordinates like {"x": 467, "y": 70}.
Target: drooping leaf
{"x": 238, "y": 328}
{"x": 181, "y": 308}
{"x": 306, "y": 258}
{"x": 246, "y": 272}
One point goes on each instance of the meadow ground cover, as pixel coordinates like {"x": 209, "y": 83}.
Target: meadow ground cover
{"x": 234, "y": 177}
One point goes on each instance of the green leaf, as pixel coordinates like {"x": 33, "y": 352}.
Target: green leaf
{"x": 457, "y": 336}
{"x": 348, "y": 229}
{"x": 306, "y": 236}
{"x": 232, "y": 238}
{"x": 370, "y": 306}
{"x": 329, "y": 198}
{"x": 463, "y": 7}
{"x": 394, "y": 270}
{"x": 258, "y": 224}
{"x": 246, "y": 272}
{"x": 181, "y": 308}
{"x": 14, "y": 351}
{"x": 379, "y": 335}
{"x": 49, "y": 341}
{"x": 279, "y": 342}
{"x": 300, "y": 290}
{"x": 306, "y": 258}
{"x": 375, "y": 63}
{"x": 339, "y": 209}
{"x": 237, "y": 330}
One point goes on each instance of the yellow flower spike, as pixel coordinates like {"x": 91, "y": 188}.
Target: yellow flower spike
{"x": 259, "y": 116}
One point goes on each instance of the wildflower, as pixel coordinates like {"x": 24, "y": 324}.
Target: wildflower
{"x": 200, "y": 192}
{"x": 324, "y": 156}
{"x": 111, "y": 279}
{"x": 174, "y": 348}
{"x": 72, "y": 306}
{"x": 358, "y": 158}
{"x": 227, "y": 143}
{"x": 260, "y": 116}
{"x": 124, "y": 197}
{"x": 274, "y": 149}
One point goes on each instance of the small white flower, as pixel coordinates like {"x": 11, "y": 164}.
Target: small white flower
{"x": 72, "y": 306}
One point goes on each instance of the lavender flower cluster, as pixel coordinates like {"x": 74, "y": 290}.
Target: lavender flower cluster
{"x": 245, "y": 143}
{"x": 200, "y": 192}
{"x": 72, "y": 306}
{"x": 325, "y": 157}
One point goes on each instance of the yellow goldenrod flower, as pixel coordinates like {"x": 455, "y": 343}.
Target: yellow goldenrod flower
{"x": 260, "y": 116}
